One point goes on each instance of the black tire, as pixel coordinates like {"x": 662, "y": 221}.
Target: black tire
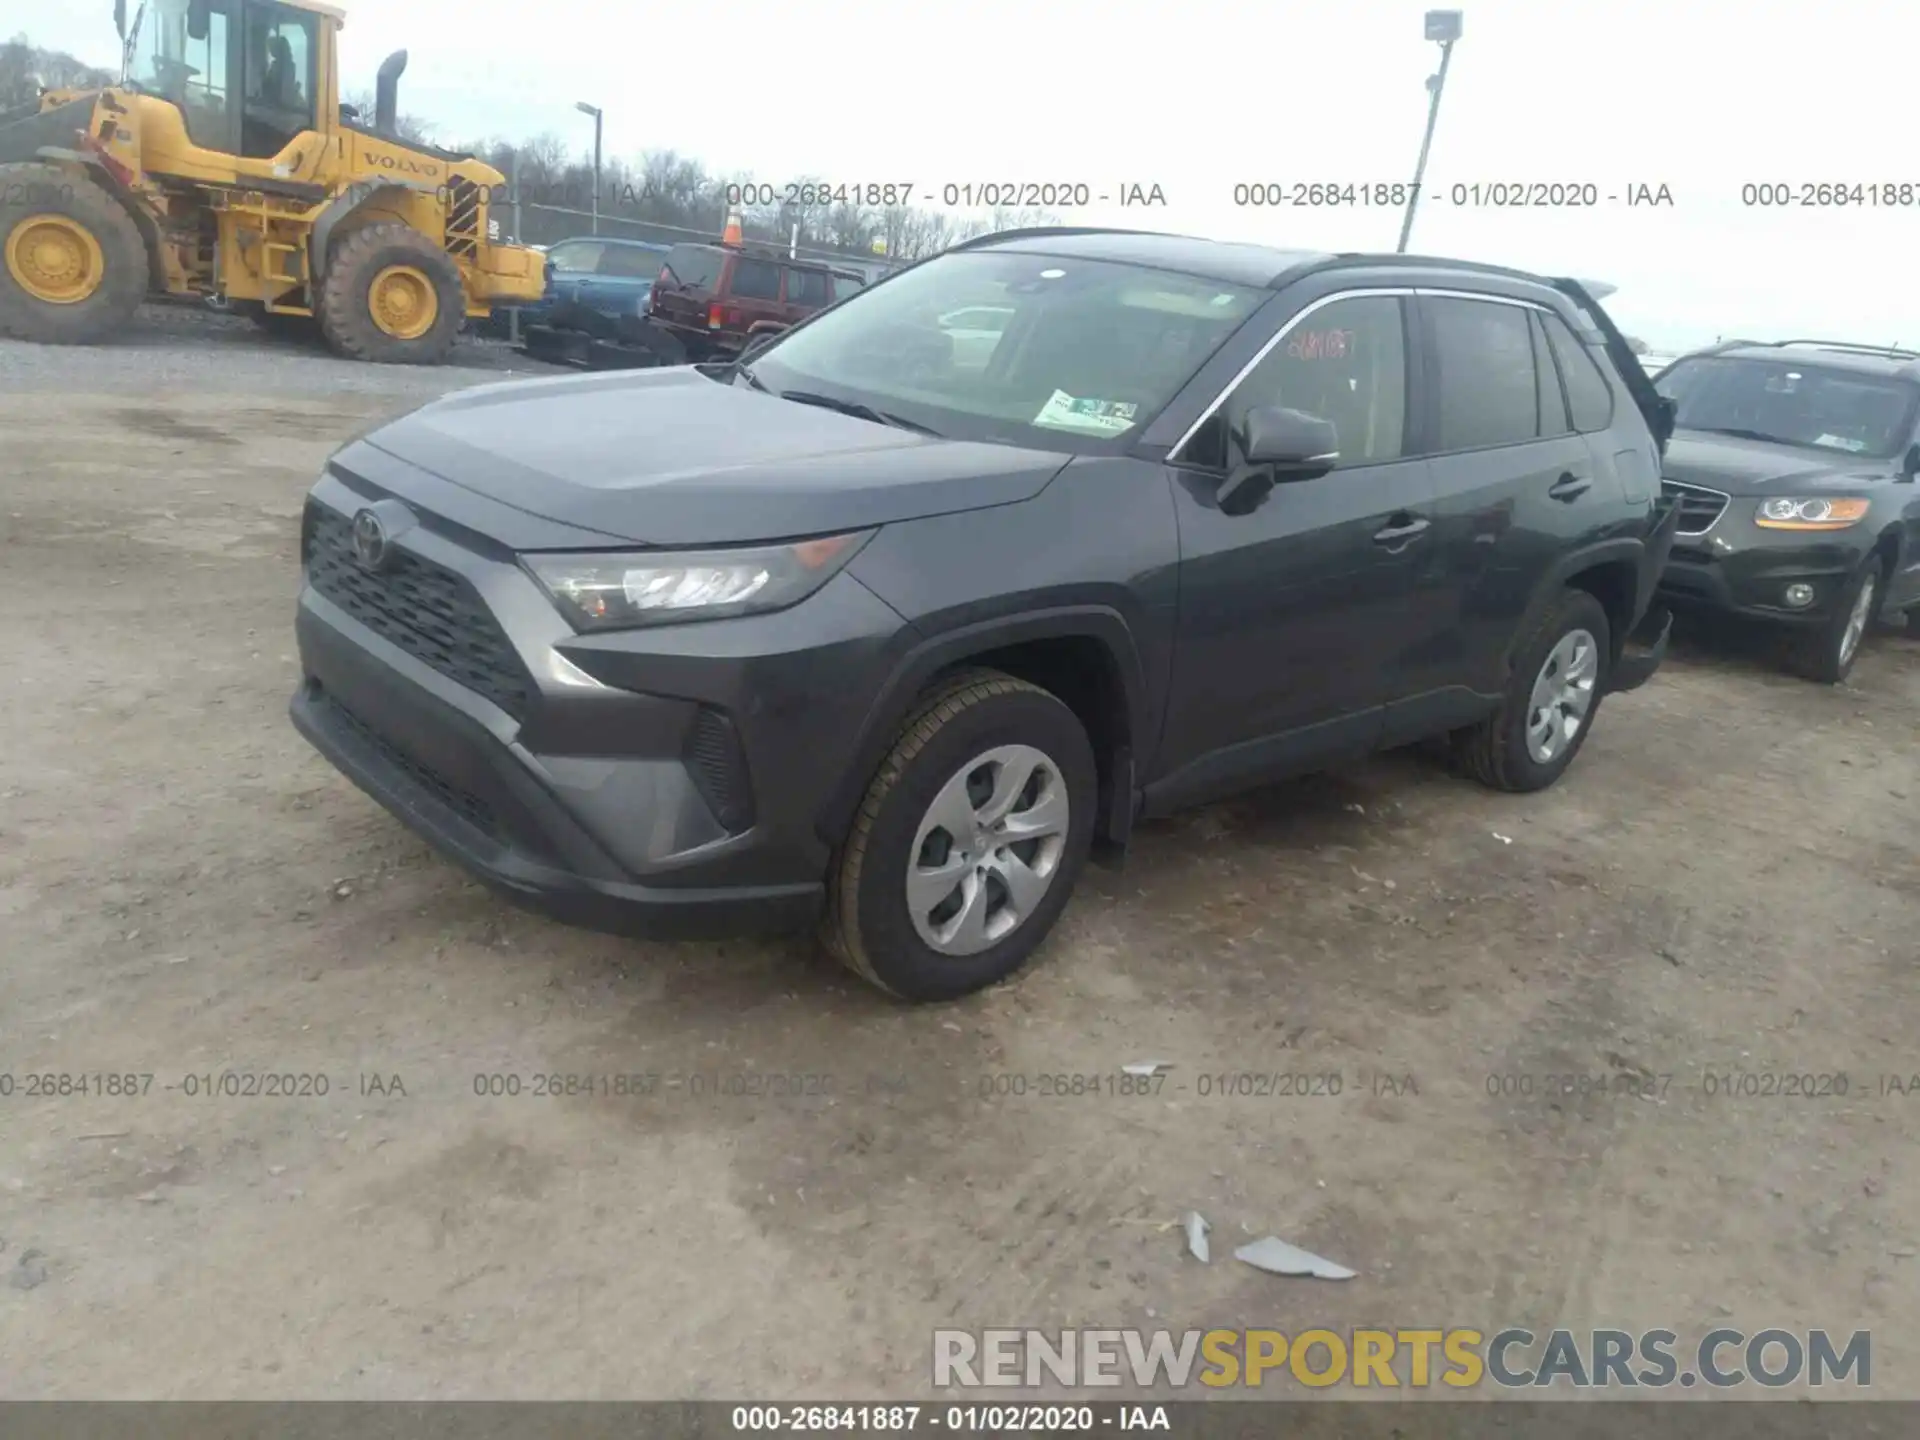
{"x": 346, "y": 315}
{"x": 1819, "y": 652}
{"x": 1495, "y": 752}
{"x": 867, "y": 925}
{"x": 30, "y": 191}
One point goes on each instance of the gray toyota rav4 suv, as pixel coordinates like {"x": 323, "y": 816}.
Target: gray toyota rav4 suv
{"x": 887, "y": 628}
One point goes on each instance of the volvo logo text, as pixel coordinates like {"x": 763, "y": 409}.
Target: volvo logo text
{"x": 369, "y": 540}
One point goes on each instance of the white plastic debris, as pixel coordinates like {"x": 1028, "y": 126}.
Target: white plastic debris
{"x": 1146, "y": 1067}
{"x": 1197, "y": 1228}
{"x": 1277, "y": 1257}
{"x": 1503, "y": 839}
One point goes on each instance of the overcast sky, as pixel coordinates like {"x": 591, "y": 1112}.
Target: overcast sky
{"x": 1699, "y": 95}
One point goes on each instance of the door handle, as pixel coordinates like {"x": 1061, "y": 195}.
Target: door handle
{"x": 1400, "y": 529}
{"x": 1569, "y": 487}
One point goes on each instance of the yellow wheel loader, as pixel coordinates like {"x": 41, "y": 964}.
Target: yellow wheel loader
{"x": 223, "y": 168}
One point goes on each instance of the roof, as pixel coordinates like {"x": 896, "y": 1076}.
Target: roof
{"x": 330, "y": 11}
{"x": 769, "y": 250}
{"x": 616, "y": 240}
{"x": 1228, "y": 261}
{"x": 1827, "y": 355}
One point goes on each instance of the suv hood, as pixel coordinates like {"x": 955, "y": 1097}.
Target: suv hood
{"x": 670, "y": 457}
{"x": 1755, "y": 467}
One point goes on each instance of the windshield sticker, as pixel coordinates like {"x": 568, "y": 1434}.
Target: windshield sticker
{"x": 1841, "y": 442}
{"x": 1089, "y": 417}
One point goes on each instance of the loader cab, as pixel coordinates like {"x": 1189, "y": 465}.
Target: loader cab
{"x": 249, "y": 76}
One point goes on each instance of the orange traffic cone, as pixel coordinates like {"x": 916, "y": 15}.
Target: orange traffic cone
{"x": 731, "y": 235}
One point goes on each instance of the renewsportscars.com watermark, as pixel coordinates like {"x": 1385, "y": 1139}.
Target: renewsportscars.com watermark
{"x": 1411, "y": 1359}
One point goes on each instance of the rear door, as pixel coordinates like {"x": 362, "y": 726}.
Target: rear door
{"x": 807, "y": 290}
{"x": 686, "y": 283}
{"x": 624, "y": 279}
{"x": 1515, "y": 487}
{"x": 752, "y": 294}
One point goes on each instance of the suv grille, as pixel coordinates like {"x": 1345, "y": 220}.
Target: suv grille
{"x": 1699, "y": 506}
{"x": 426, "y": 609}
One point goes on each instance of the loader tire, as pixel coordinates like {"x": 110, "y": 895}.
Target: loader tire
{"x": 73, "y": 267}
{"x": 391, "y": 296}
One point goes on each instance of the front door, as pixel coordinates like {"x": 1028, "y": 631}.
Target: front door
{"x": 1296, "y": 616}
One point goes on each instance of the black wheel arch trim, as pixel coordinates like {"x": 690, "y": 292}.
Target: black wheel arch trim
{"x": 935, "y": 653}
{"x": 1630, "y": 549}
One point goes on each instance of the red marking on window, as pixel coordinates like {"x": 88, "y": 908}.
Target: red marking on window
{"x": 1321, "y": 345}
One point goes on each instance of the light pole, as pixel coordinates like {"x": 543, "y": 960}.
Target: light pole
{"x": 594, "y": 111}
{"x": 1443, "y": 26}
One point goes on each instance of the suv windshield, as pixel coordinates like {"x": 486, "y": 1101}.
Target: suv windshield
{"x": 1794, "y": 403}
{"x": 1082, "y": 352}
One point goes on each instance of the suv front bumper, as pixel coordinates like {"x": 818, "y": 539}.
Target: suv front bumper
{"x": 641, "y": 783}
{"x": 1748, "y": 573}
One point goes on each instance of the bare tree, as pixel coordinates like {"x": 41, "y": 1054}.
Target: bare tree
{"x": 24, "y": 70}
{"x": 409, "y": 128}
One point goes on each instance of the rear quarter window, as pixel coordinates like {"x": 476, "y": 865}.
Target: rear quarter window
{"x": 807, "y": 287}
{"x": 1589, "y": 396}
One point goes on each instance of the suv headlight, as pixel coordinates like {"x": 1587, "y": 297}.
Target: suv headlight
{"x": 599, "y": 591}
{"x": 1816, "y": 514}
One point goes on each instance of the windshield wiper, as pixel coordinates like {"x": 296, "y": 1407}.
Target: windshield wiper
{"x": 854, "y": 408}
{"x": 1739, "y": 434}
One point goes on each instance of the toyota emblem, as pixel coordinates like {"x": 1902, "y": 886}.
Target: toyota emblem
{"x": 369, "y": 540}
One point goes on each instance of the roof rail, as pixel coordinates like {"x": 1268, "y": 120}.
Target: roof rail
{"x": 1846, "y": 347}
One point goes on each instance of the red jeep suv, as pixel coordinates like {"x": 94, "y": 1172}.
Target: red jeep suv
{"x": 714, "y": 298}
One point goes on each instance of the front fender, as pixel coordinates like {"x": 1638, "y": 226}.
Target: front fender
{"x": 929, "y": 655}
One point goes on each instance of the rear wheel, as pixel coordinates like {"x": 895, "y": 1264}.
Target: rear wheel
{"x": 1826, "y": 652}
{"x": 1559, "y": 676}
{"x": 968, "y": 843}
{"x": 73, "y": 267}
{"x": 391, "y": 296}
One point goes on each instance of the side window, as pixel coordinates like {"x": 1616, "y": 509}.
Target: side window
{"x": 845, "y": 285}
{"x": 807, "y": 287}
{"x": 576, "y": 259}
{"x": 278, "y": 99}
{"x": 1488, "y": 391}
{"x": 1345, "y": 362}
{"x": 628, "y": 263}
{"x": 755, "y": 280}
{"x": 1587, "y": 389}
{"x": 1553, "y": 404}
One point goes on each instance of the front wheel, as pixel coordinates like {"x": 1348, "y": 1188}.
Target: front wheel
{"x": 393, "y": 296}
{"x": 1559, "y": 676}
{"x": 968, "y": 843}
{"x": 1826, "y": 652}
{"x": 73, "y": 268}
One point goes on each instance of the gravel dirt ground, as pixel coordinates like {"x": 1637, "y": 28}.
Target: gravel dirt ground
{"x": 1726, "y": 884}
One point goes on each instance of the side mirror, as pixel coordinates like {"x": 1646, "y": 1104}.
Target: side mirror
{"x": 199, "y": 20}
{"x": 1277, "y": 446}
{"x": 1297, "y": 446}
{"x": 1910, "y": 464}
{"x": 350, "y": 114}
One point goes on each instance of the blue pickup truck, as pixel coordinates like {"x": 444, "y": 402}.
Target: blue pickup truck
{"x": 610, "y": 276}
